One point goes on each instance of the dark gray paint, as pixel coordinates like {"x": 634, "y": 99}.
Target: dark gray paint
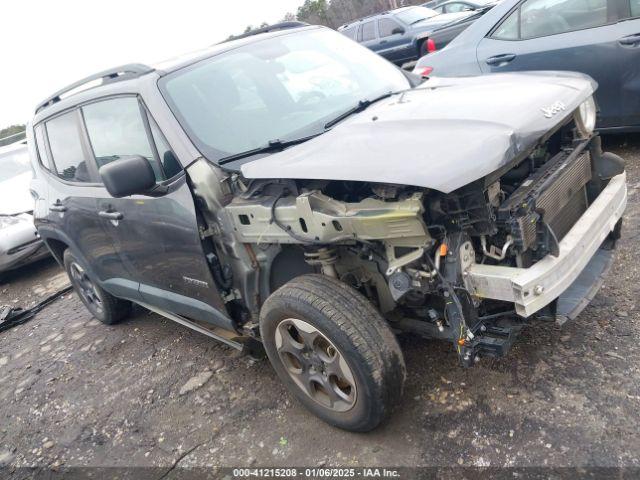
{"x": 145, "y": 255}
{"x": 597, "y": 52}
{"x": 442, "y": 135}
{"x": 443, "y": 36}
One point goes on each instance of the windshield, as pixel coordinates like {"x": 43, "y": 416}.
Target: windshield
{"x": 14, "y": 163}
{"x": 415, "y": 14}
{"x": 281, "y": 88}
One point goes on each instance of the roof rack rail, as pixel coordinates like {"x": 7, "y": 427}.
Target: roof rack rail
{"x": 269, "y": 28}
{"x": 384, "y": 12}
{"x": 122, "y": 72}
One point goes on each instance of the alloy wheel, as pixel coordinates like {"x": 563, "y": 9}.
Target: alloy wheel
{"x": 315, "y": 364}
{"x": 85, "y": 287}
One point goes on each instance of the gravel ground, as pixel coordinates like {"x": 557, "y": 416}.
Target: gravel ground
{"x": 149, "y": 392}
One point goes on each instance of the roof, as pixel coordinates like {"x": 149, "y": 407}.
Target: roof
{"x": 129, "y": 72}
{"x": 373, "y": 15}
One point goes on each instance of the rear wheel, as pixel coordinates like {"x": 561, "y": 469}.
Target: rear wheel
{"x": 423, "y": 48}
{"x": 102, "y": 305}
{"x": 333, "y": 351}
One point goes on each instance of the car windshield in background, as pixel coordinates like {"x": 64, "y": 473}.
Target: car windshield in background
{"x": 415, "y": 14}
{"x": 282, "y": 88}
{"x": 14, "y": 163}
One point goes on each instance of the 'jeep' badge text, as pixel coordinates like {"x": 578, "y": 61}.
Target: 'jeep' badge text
{"x": 551, "y": 110}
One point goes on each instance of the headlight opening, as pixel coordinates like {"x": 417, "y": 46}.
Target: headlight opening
{"x": 586, "y": 117}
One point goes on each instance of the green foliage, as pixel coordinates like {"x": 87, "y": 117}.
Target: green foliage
{"x": 315, "y": 11}
{"x": 12, "y": 130}
{"x": 11, "y": 134}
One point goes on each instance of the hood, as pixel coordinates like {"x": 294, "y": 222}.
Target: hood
{"x": 14, "y": 195}
{"x": 441, "y": 20}
{"x": 442, "y": 135}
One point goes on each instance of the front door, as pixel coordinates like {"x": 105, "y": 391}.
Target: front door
{"x": 569, "y": 35}
{"x": 157, "y": 237}
{"x": 395, "y": 43}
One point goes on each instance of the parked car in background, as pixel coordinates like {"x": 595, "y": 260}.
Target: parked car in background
{"x": 442, "y": 36}
{"x": 19, "y": 241}
{"x": 400, "y": 35}
{"x": 433, "y": 3}
{"x": 454, "y": 6}
{"x": 598, "y": 37}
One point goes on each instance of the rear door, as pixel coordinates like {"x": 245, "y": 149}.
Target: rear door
{"x": 157, "y": 237}
{"x": 573, "y": 35}
{"x": 629, "y": 53}
{"x": 368, "y": 36}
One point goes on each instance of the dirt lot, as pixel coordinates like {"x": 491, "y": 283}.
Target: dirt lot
{"x": 74, "y": 392}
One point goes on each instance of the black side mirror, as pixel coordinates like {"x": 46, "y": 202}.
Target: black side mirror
{"x": 397, "y": 31}
{"x": 128, "y": 176}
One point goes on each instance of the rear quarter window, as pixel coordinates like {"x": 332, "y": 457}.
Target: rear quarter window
{"x": 635, "y": 8}
{"x": 350, "y": 32}
{"x": 66, "y": 148}
{"x": 41, "y": 148}
{"x": 368, "y": 31}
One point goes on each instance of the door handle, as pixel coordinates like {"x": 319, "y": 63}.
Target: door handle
{"x": 500, "y": 60}
{"x": 110, "y": 215}
{"x": 57, "y": 207}
{"x": 631, "y": 40}
{"x": 382, "y": 42}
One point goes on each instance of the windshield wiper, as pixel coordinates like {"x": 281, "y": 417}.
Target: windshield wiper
{"x": 271, "y": 146}
{"x": 360, "y": 106}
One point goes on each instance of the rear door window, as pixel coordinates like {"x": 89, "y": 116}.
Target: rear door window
{"x": 117, "y": 130}
{"x": 66, "y": 148}
{"x": 350, "y": 32}
{"x": 542, "y": 18}
{"x": 368, "y": 31}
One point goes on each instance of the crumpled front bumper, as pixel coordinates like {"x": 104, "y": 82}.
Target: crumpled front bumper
{"x": 533, "y": 288}
{"x": 20, "y": 244}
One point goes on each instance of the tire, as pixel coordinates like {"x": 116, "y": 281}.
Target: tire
{"x": 102, "y": 305}
{"x": 422, "y": 49}
{"x": 352, "y": 364}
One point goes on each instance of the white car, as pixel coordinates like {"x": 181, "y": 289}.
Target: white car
{"x": 19, "y": 241}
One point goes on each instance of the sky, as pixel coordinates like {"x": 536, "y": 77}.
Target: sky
{"x": 48, "y": 44}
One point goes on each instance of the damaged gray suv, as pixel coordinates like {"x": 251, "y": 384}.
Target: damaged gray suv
{"x": 292, "y": 191}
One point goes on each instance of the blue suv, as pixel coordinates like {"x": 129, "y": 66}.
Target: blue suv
{"x": 400, "y": 35}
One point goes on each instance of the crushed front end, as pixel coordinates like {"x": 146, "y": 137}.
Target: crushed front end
{"x": 533, "y": 239}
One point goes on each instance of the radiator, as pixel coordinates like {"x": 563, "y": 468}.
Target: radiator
{"x": 555, "y": 195}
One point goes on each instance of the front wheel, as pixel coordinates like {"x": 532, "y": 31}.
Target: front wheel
{"x": 333, "y": 351}
{"x": 423, "y": 48}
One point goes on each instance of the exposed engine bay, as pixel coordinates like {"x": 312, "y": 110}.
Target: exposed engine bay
{"x": 407, "y": 249}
